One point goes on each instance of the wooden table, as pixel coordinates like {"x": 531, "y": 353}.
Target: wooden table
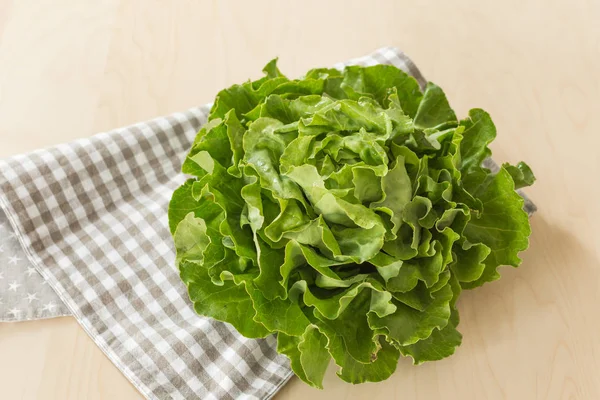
{"x": 71, "y": 68}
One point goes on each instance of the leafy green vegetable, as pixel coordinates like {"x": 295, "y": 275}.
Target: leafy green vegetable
{"x": 344, "y": 211}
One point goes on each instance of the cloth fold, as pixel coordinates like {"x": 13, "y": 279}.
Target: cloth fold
{"x": 91, "y": 218}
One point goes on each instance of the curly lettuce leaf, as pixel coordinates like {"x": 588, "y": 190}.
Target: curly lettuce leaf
{"x": 344, "y": 211}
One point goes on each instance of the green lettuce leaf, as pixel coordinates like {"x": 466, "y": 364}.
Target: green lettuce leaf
{"x": 344, "y": 211}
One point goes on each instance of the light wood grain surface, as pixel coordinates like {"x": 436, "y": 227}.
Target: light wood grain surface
{"x": 71, "y": 68}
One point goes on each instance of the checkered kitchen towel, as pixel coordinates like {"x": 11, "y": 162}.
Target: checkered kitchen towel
{"x": 91, "y": 218}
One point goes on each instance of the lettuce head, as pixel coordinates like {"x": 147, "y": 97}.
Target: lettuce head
{"x": 344, "y": 211}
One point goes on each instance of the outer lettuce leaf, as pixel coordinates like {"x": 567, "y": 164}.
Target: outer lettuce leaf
{"x": 503, "y": 226}
{"x": 434, "y": 109}
{"x": 378, "y": 370}
{"x": 376, "y": 81}
{"x": 443, "y": 341}
{"x": 352, "y": 328}
{"x": 521, "y": 174}
{"x": 344, "y": 211}
{"x": 408, "y": 325}
{"x": 227, "y": 302}
{"x": 440, "y": 344}
{"x": 289, "y": 345}
{"x": 313, "y": 356}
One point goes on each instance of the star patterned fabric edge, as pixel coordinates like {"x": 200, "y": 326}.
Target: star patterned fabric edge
{"x": 24, "y": 294}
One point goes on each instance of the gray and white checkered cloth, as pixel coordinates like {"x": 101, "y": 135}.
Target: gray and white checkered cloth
{"x": 91, "y": 218}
